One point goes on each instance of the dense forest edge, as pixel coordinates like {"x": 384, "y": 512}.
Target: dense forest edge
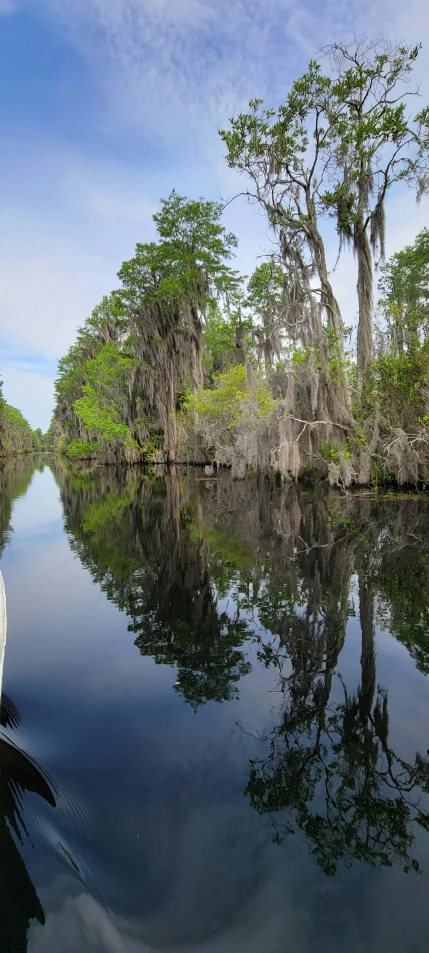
{"x": 188, "y": 361}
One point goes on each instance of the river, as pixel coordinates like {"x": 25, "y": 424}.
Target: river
{"x": 214, "y": 718}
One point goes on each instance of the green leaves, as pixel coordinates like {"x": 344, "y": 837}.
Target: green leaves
{"x": 103, "y": 396}
{"x": 120, "y": 381}
{"x": 189, "y": 260}
{"x": 265, "y": 287}
{"x": 405, "y": 281}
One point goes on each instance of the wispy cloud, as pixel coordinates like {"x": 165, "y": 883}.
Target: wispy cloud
{"x": 183, "y": 67}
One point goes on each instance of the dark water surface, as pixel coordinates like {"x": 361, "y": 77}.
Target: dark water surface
{"x": 215, "y": 716}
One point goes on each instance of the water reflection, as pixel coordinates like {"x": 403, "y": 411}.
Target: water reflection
{"x": 208, "y": 571}
{"x": 19, "y": 773}
{"x": 331, "y": 772}
{"x": 141, "y": 543}
{"x": 15, "y": 477}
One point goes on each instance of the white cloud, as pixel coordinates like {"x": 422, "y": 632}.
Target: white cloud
{"x": 100, "y": 193}
{"x": 176, "y": 71}
{"x": 61, "y": 247}
{"x": 31, "y": 391}
{"x": 49, "y": 286}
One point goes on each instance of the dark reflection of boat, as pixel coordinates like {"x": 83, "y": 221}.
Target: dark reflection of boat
{"x": 19, "y": 903}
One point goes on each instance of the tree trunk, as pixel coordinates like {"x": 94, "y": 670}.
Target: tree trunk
{"x": 170, "y": 424}
{"x": 366, "y": 614}
{"x": 338, "y": 386}
{"x": 197, "y": 370}
{"x": 239, "y": 343}
{"x": 328, "y": 299}
{"x": 400, "y": 332}
{"x": 364, "y": 290}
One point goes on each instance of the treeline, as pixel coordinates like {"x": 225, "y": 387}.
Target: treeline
{"x": 16, "y": 435}
{"x": 187, "y": 360}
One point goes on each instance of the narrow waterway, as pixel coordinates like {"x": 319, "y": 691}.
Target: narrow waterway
{"x": 215, "y": 715}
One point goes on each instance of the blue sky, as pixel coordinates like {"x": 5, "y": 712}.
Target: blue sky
{"x": 105, "y": 106}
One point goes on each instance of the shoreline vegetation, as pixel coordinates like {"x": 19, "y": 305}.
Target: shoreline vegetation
{"x": 189, "y": 362}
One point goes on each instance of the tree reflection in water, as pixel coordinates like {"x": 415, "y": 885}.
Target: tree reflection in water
{"x": 331, "y": 772}
{"x": 139, "y": 540}
{"x": 204, "y": 568}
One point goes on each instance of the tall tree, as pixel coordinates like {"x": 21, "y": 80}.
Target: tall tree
{"x": 375, "y": 144}
{"x": 284, "y": 153}
{"x": 142, "y": 344}
{"x": 167, "y": 288}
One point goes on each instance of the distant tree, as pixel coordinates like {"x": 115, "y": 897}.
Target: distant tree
{"x": 266, "y": 299}
{"x": 404, "y": 286}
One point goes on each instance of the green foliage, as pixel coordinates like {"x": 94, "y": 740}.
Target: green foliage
{"x": 301, "y": 355}
{"x": 189, "y": 261}
{"x": 284, "y": 134}
{"x": 120, "y": 383}
{"x": 372, "y": 140}
{"x": 339, "y": 362}
{"x": 266, "y": 300}
{"x": 103, "y": 396}
{"x": 335, "y": 147}
{"x": 192, "y": 241}
{"x": 401, "y": 381}
{"x": 225, "y": 400}
{"x": 219, "y": 342}
{"x": 404, "y": 286}
{"x": 80, "y": 449}
{"x": 265, "y": 287}
{"x": 153, "y": 446}
{"x": 231, "y": 396}
{"x": 329, "y": 452}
